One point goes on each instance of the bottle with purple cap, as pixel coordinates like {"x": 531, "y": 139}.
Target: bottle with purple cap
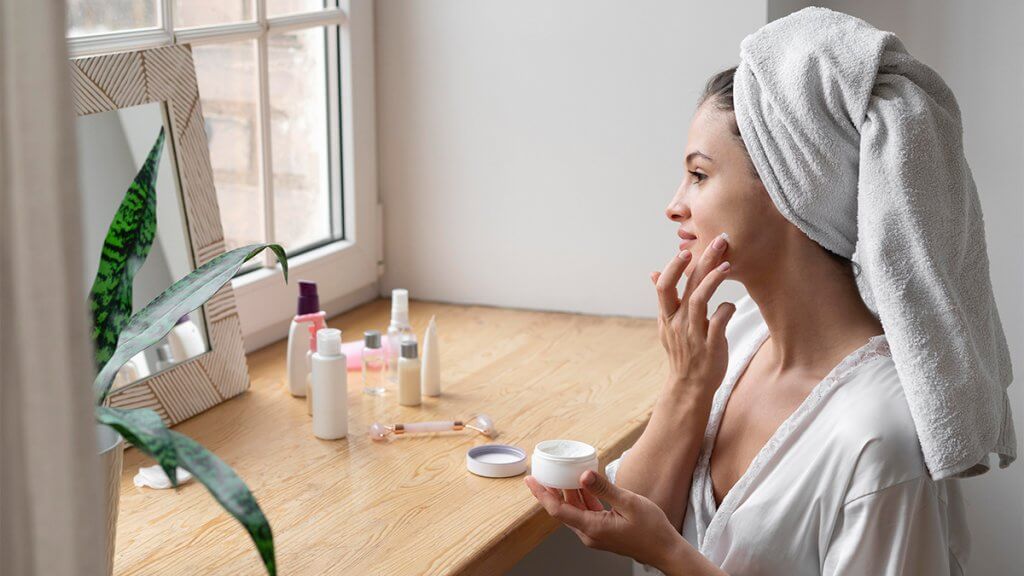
{"x": 300, "y": 344}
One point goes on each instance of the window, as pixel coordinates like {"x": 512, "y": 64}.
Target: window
{"x": 276, "y": 87}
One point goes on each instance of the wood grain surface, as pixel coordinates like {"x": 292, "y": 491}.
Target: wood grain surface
{"x": 408, "y": 505}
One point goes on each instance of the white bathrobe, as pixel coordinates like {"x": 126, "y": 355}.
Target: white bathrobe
{"x": 840, "y": 488}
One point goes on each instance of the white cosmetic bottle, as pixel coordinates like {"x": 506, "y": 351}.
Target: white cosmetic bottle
{"x": 185, "y": 340}
{"x": 398, "y": 331}
{"x": 330, "y": 386}
{"x": 135, "y": 369}
{"x": 299, "y": 339}
{"x": 409, "y": 375}
{"x": 431, "y": 362}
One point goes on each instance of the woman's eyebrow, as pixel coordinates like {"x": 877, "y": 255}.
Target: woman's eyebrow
{"x": 696, "y": 153}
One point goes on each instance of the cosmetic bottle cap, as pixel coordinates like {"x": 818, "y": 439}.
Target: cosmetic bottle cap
{"x": 408, "y": 348}
{"x": 371, "y": 339}
{"x": 400, "y": 305}
{"x": 328, "y": 342}
{"x": 309, "y": 300}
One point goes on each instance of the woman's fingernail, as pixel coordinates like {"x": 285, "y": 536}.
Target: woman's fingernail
{"x": 719, "y": 242}
{"x": 683, "y": 255}
{"x": 724, "y": 266}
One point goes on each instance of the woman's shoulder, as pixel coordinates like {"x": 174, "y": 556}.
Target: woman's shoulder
{"x": 867, "y": 415}
{"x": 872, "y": 420}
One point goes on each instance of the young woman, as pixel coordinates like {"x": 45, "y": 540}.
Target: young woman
{"x": 781, "y": 442}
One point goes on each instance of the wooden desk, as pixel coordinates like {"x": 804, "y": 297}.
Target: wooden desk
{"x": 408, "y": 506}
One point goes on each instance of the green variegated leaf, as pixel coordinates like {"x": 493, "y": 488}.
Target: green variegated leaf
{"x": 125, "y": 248}
{"x": 230, "y": 491}
{"x": 154, "y": 321}
{"x": 144, "y": 429}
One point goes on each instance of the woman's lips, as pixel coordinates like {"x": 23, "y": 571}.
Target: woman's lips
{"x": 686, "y": 237}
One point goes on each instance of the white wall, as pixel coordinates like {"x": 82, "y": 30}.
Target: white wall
{"x": 977, "y": 48}
{"x": 527, "y": 150}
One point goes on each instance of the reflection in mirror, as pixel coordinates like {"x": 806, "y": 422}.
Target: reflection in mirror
{"x": 112, "y": 147}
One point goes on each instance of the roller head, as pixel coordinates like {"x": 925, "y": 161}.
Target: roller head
{"x": 484, "y": 423}
{"x": 378, "y": 431}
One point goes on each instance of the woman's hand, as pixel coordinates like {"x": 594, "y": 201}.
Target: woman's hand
{"x": 698, "y": 353}
{"x": 634, "y": 527}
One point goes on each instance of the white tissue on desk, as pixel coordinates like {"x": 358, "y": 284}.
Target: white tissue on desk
{"x": 154, "y": 477}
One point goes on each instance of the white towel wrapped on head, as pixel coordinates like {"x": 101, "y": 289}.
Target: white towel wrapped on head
{"x": 860, "y": 146}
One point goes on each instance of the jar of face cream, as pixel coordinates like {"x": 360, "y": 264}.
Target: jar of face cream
{"x": 560, "y": 463}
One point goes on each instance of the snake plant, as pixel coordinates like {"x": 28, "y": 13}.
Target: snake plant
{"x": 118, "y": 335}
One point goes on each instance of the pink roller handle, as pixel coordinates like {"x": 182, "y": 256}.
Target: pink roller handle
{"x": 438, "y": 426}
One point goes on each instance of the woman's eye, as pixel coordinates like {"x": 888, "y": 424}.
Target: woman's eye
{"x": 697, "y": 176}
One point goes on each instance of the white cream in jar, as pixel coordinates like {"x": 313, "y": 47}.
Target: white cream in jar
{"x": 560, "y": 463}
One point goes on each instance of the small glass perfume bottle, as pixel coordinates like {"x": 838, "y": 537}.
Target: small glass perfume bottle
{"x": 373, "y": 364}
{"x": 398, "y": 330}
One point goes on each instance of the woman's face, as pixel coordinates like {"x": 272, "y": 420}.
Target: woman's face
{"x": 720, "y": 193}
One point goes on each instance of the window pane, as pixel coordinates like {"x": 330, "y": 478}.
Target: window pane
{"x": 299, "y": 137}
{"x": 204, "y": 12}
{"x": 228, "y": 86}
{"x": 281, "y": 7}
{"x": 98, "y": 16}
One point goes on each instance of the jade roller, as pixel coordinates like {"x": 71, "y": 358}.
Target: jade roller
{"x": 482, "y": 423}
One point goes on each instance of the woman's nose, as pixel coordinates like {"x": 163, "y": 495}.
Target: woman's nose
{"x": 676, "y": 210}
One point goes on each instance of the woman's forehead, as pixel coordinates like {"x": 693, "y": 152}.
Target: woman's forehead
{"x": 710, "y": 137}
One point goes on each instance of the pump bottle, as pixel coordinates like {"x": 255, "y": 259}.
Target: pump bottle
{"x": 299, "y": 345}
{"x": 399, "y": 330}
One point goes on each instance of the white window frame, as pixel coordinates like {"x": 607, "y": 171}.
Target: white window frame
{"x": 348, "y": 271}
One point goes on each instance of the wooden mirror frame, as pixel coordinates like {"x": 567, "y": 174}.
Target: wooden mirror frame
{"x": 167, "y": 75}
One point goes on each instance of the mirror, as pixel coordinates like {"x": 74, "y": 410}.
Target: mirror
{"x": 112, "y": 147}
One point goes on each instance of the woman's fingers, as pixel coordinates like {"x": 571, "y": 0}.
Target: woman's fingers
{"x": 591, "y": 501}
{"x": 701, "y": 284}
{"x": 557, "y": 508}
{"x": 716, "y": 327}
{"x": 698, "y": 302}
{"x": 711, "y": 258}
{"x": 667, "y": 281}
{"x": 574, "y": 498}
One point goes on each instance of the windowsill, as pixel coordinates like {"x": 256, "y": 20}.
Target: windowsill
{"x": 346, "y": 276}
{"x": 539, "y": 375}
{"x": 305, "y": 262}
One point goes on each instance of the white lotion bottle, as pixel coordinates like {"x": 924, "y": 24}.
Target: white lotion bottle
{"x": 299, "y": 341}
{"x": 398, "y": 330}
{"x": 134, "y": 369}
{"x": 185, "y": 340}
{"x": 330, "y": 386}
{"x": 431, "y": 362}
{"x": 409, "y": 375}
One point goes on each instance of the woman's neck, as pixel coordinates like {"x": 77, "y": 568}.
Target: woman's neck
{"x": 814, "y": 313}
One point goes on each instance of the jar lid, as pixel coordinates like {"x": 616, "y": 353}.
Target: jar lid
{"x": 496, "y": 460}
